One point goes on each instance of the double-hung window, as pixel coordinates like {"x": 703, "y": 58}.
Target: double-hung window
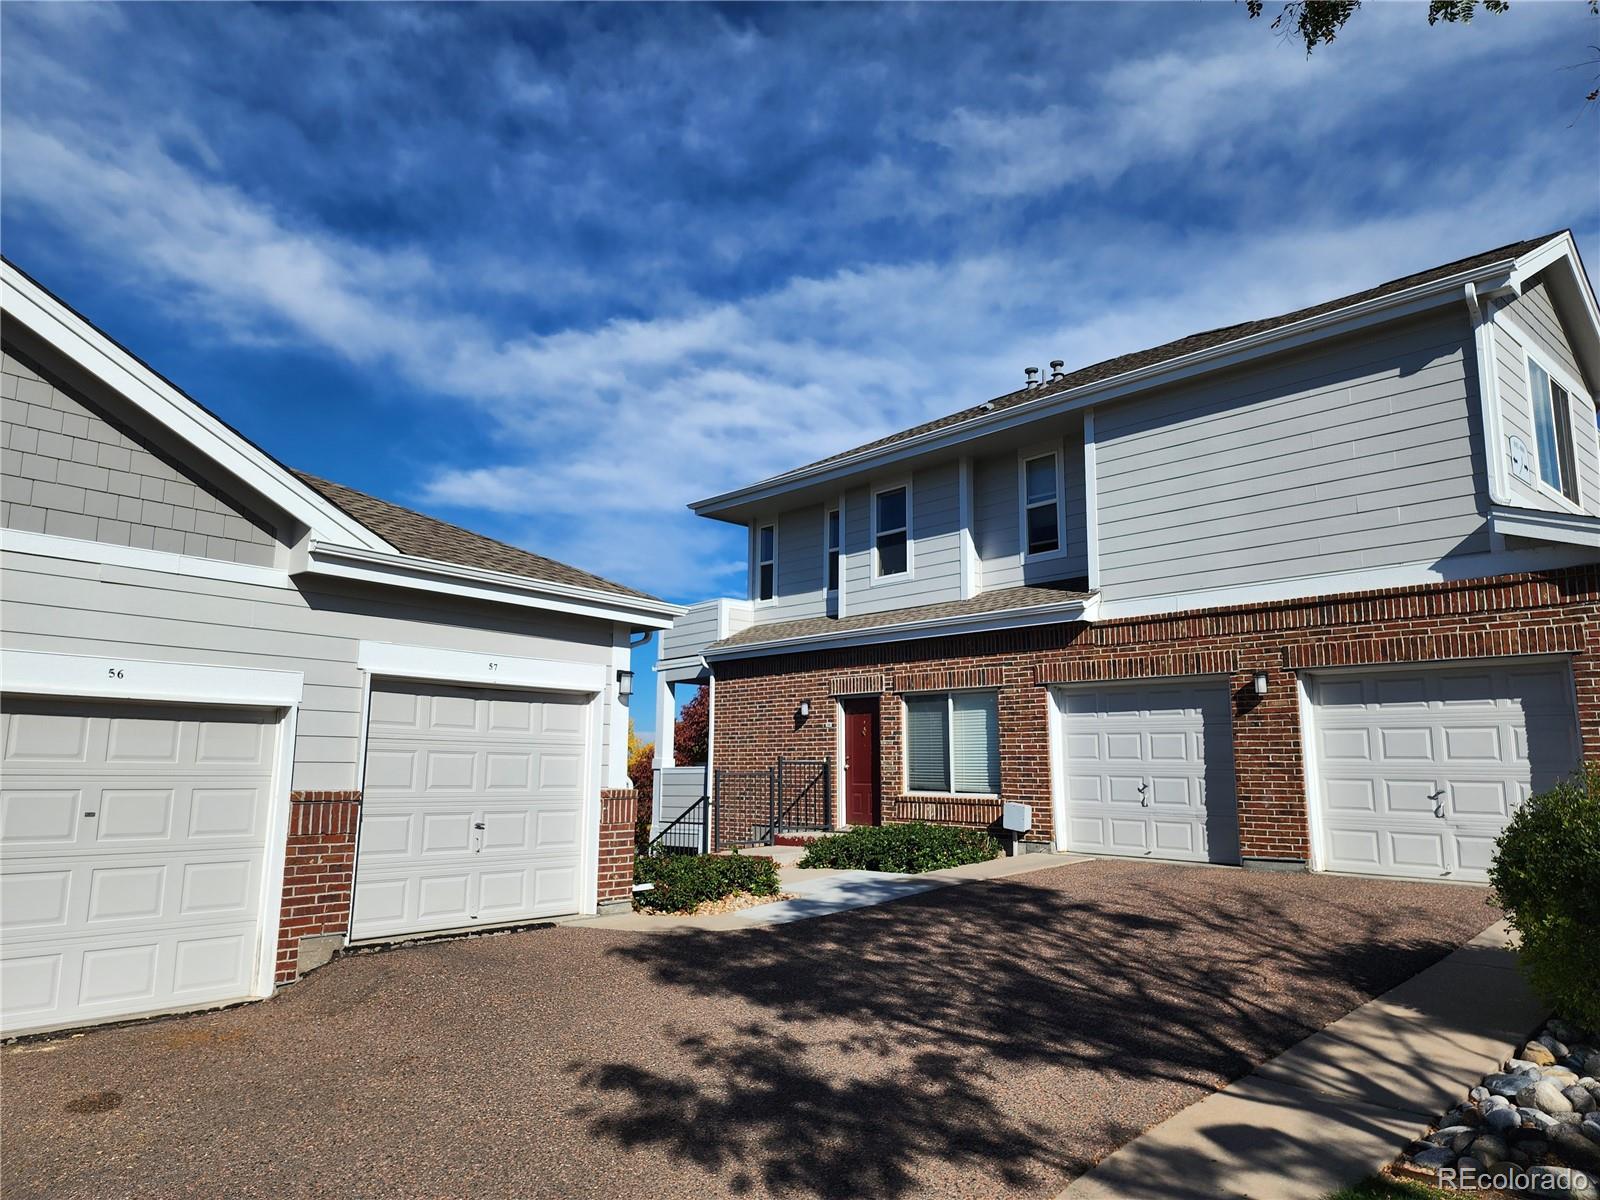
{"x": 1041, "y": 504}
{"x": 1552, "y": 432}
{"x": 833, "y": 550}
{"x": 766, "y": 561}
{"x": 953, "y": 743}
{"x": 890, "y": 528}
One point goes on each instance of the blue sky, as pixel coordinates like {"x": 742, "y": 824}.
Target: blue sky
{"x": 553, "y": 272}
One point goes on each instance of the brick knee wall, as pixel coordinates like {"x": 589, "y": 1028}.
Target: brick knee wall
{"x": 618, "y": 809}
{"x": 318, "y": 871}
{"x": 1538, "y": 613}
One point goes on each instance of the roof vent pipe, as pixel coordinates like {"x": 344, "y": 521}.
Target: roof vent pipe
{"x": 1033, "y": 376}
{"x": 1055, "y": 369}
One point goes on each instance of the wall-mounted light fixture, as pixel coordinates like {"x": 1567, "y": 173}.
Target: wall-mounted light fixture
{"x": 1261, "y": 683}
{"x": 624, "y": 684}
{"x": 804, "y": 710}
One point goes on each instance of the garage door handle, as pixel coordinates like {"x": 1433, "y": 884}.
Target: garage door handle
{"x": 477, "y": 824}
{"x": 1438, "y": 803}
{"x": 1144, "y": 800}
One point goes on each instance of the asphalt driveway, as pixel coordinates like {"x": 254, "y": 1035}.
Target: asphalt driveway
{"x": 989, "y": 1039}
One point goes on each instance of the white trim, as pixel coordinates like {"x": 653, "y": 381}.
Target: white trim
{"x": 1489, "y": 399}
{"x": 830, "y": 511}
{"x": 949, "y": 695}
{"x": 40, "y": 673}
{"x": 840, "y": 778}
{"x": 1054, "y": 716}
{"x": 439, "y": 665}
{"x": 1091, "y": 502}
{"x": 588, "y": 816}
{"x": 756, "y": 598}
{"x": 1573, "y": 529}
{"x": 275, "y": 862}
{"x": 46, "y": 545}
{"x": 840, "y": 605}
{"x": 616, "y": 759}
{"x": 1533, "y": 356}
{"x": 1303, "y": 683}
{"x": 967, "y": 547}
{"x": 910, "y": 572}
{"x": 1025, "y": 456}
{"x": 73, "y": 337}
{"x": 1308, "y": 587}
{"x": 1012, "y": 618}
{"x": 1299, "y": 333}
{"x": 496, "y": 587}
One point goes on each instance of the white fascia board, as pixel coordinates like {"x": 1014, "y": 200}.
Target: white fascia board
{"x": 497, "y": 587}
{"x": 396, "y": 661}
{"x": 46, "y": 545}
{"x": 671, "y": 666}
{"x": 33, "y": 673}
{"x": 1274, "y": 341}
{"x": 1540, "y": 525}
{"x": 73, "y": 337}
{"x": 1015, "y": 618}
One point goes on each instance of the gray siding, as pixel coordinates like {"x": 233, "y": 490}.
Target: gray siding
{"x": 997, "y": 522}
{"x": 799, "y": 579}
{"x": 676, "y": 789}
{"x": 70, "y": 607}
{"x": 72, "y": 472}
{"x": 1533, "y": 312}
{"x": 1361, "y": 454}
{"x": 692, "y": 632}
{"x": 935, "y": 573}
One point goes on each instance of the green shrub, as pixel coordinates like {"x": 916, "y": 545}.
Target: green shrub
{"x": 1546, "y": 874}
{"x": 908, "y": 848}
{"x": 685, "y": 881}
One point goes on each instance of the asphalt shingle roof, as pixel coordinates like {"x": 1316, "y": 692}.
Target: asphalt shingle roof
{"x": 1001, "y": 600}
{"x": 1156, "y": 355}
{"x": 422, "y": 536}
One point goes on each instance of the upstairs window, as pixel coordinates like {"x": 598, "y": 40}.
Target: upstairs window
{"x": 953, "y": 743}
{"x": 889, "y": 534}
{"x": 1041, "y": 504}
{"x": 766, "y": 561}
{"x": 1552, "y": 432}
{"x": 833, "y": 550}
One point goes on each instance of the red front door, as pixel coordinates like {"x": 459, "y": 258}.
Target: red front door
{"x": 861, "y": 762}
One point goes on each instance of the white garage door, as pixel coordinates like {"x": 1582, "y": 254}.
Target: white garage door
{"x": 472, "y": 809}
{"x": 1149, "y": 771}
{"x": 132, "y": 850}
{"x": 1418, "y": 771}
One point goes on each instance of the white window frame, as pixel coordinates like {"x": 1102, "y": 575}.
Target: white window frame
{"x": 829, "y": 512}
{"x": 1575, "y": 392}
{"x": 911, "y": 557}
{"x": 949, "y": 695}
{"x": 1024, "y": 457}
{"x": 757, "y": 562}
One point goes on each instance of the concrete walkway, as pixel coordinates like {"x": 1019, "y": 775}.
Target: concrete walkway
{"x": 822, "y": 892}
{"x": 1341, "y": 1104}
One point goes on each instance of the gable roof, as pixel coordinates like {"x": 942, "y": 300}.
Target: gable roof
{"x": 422, "y": 536}
{"x": 1156, "y": 356}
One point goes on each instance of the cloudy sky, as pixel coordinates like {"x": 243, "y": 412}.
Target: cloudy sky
{"x": 553, "y": 272}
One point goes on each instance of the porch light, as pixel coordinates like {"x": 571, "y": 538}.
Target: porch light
{"x": 804, "y": 710}
{"x": 1261, "y": 683}
{"x": 624, "y": 684}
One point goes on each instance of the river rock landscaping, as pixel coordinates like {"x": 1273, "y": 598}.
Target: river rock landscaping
{"x": 1536, "y": 1121}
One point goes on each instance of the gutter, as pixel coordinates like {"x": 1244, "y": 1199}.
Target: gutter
{"x": 1439, "y": 292}
{"x": 1011, "y": 618}
{"x": 401, "y": 570}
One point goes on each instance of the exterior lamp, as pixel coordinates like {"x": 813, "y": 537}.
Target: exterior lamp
{"x": 1261, "y": 683}
{"x": 624, "y": 684}
{"x": 804, "y": 710}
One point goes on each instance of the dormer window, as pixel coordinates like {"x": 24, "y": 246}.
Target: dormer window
{"x": 766, "y": 561}
{"x": 890, "y": 514}
{"x": 1041, "y": 504}
{"x": 1552, "y": 432}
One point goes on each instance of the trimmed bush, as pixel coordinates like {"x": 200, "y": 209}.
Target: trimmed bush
{"x": 686, "y": 881}
{"x": 906, "y": 849}
{"x": 1546, "y": 874}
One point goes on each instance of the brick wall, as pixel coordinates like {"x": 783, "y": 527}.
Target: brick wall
{"x": 618, "y": 808}
{"x": 318, "y": 871}
{"x": 1553, "y": 612}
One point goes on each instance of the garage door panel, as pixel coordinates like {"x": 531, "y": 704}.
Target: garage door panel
{"x": 1350, "y": 795}
{"x": 38, "y": 817}
{"x": 473, "y": 799}
{"x": 1474, "y": 744}
{"x": 555, "y": 889}
{"x": 1128, "y": 747}
{"x": 1175, "y": 838}
{"x": 1346, "y": 745}
{"x": 1406, "y": 744}
{"x": 209, "y": 964}
{"x": 1409, "y": 848}
{"x": 1408, "y": 797}
{"x": 1394, "y": 691}
{"x": 46, "y": 738}
{"x": 134, "y": 814}
{"x": 1128, "y": 837}
{"x": 1486, "y": 798}
{"x": 34, "y": 900}
{"x": 1088, "y": 833}
{"x": 32, "y": 987}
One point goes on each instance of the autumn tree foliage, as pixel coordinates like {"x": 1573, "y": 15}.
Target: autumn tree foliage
{"x": 693, "y": 731}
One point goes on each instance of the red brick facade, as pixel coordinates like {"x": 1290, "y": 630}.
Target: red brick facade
{"x": 318, "y": 871}
{"x": 1551, "y": 612}
{"x": 618, "y": 809}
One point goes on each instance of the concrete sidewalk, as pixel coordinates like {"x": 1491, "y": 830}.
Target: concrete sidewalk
{"x": 1340, "y": 1105}
{"x": 822, "y": 892}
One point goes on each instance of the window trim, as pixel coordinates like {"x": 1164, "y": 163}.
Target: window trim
{"x": 757, "y": 562}
{"x": 911, "y": 558}
{"x": 949, "y": 695}
{"x": 832, "y": 554}
{"x": 1531, "y": 356}
{"x": 1024, "y": 457}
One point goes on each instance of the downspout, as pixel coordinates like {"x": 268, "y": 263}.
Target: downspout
{"x": 1488, "y": 404}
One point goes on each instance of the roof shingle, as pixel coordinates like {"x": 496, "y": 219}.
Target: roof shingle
{"x": 422, "y": 536}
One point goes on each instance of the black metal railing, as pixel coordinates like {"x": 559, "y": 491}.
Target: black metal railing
{"x": 804, "y": 794}
{"x": 752, "y": 807}
{"x": 686, "y": 832}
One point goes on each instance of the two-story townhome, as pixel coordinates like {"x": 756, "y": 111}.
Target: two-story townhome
{"x": 1319, "y": 590}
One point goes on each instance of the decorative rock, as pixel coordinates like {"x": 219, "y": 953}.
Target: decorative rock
{"x": 1538, "y": 1054}
{"x": 1502, "y": 1120}
{"x": 1435, "y": 1157}
{"x": 1575, "y": 1150}
{"x": 1489, "y": 1149}
{"x": 1542, "y": 1122}
{"x": 1494, "y": 1102}
{"x": 1579, "y": 1098}
{"x": 1554, "y": 1045}
{"x": 1508, "y": 1083}
{"x": 1591, "y": 1127}
{"x": 1547, "y": 1097}
{"x": 1478, "y": 1094}
{"x": 1591, "y": 1063}
{"x": 1557, "y": 1028}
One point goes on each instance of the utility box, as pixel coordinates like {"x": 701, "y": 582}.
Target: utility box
{"x": 1016, "y": 817}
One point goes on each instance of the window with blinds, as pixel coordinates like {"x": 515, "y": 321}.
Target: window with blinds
{"x": 953, "y": 743}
